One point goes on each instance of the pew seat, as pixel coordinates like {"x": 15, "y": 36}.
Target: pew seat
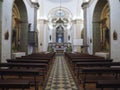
{"x": 112, "y": 83}
{"x": 14, "y": 84}
{"x": 92, "y": 75}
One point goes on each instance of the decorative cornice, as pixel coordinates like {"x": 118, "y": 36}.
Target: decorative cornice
{"x": 77, "y": 20}
{"x": 84, "y": 5}
{"x": 36, "y": 4}
{"x": 43, "y": 20}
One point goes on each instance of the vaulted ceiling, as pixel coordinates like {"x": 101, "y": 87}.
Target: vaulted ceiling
{"x": 73, "y": 6}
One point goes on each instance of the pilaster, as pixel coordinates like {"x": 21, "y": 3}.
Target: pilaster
{"x": 84, "y": 6}
{"x": 0, "y": 23}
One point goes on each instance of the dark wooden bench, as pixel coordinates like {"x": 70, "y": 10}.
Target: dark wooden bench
{"x": 41, "y": 66}
{"x": 75, "y": 62}
{"x": 21, "y": 72}
{"x": 97, "y": 64}
{"x": 79, "y": 65}
{"x": 92, "y": 75}
{"x": 108, "y": 84}
{"x": 27, "y": 61}
{"x": 49, "y": 60}
{"x": 14, "y": 84}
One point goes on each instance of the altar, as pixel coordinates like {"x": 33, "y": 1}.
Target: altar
{"x": 59, "y": 50}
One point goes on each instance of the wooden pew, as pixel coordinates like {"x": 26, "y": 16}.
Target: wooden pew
{"x": 14, "y": 84}
{"x": 81, "y": 56}
{"x": 21, "y": 72}
{"x": 49, "y": 60}
{"x": 41, "y": 66}
{"x": 108, "y": 84}
{"x": 80, "y": 65}
{"x": 97, "y": 64}
{"x": 92, "y": 75}
{"x": 75, "y": 62}
{"x": 27, "y": 61}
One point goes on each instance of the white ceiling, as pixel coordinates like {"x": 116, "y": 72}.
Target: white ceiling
{"x": 74, "y": 6}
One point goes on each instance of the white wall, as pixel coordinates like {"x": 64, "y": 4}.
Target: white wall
{"x": 114, "y": 23}
{"x": 115, "y": 26}
{"x": 6, "y": 26}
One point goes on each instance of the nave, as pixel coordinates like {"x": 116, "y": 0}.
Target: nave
{"x": 60, "y": 77}
{"x": 48, "y": 71}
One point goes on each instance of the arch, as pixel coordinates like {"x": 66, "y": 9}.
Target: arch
{"x": 57, "y": 8}
{"x": 101, "y": 24}
{"x": 57, "y": 17}
{"x": 19, "y": 26}
{"x": 60, "y": 34}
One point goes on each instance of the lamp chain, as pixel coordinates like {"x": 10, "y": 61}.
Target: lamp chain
{"x": 60, "y": 8}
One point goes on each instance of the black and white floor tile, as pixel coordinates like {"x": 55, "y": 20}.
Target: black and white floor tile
{"x": 60, "y": 77}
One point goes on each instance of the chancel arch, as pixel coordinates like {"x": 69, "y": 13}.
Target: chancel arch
{"x": 19, "y": 27}
{"x": 101, "y": 27}
{"x": 60, "y": 24}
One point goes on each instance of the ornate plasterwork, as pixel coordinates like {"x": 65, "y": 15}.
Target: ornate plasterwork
{"x": 59, "y": 16}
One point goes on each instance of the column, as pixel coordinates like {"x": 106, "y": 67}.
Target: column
{"x": 0, "y": 23}
{"x": 41, "y": 35}
{"x": 84, "y": 6}
{"x": 36, "y": 6}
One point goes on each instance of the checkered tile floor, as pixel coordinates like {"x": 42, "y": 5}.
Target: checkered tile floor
{"x": 60, "y": 77}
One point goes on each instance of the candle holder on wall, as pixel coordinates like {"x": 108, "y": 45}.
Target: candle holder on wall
{"x": 114, "y": 35}
{"x": 68, "y": 37}
{"x": 50, "y": 37}
{"x": 7, "y": 35}
{"x": 40, "y": 44}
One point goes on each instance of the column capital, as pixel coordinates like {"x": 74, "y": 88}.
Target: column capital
{"x": 84, "y": 5}
{"x": 36, "y": 4}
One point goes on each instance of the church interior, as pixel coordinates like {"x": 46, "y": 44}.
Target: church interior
{"x": 59, "y": 45}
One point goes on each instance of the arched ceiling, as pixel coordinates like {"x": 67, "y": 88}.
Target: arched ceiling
{"x": 74, "y": 6}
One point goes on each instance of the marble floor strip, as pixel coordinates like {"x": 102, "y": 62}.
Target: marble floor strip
{"x": 60, "y": 77}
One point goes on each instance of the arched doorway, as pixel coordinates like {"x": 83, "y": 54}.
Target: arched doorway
{"x": 19, "y": 27}
{"x": 101, "y": 27}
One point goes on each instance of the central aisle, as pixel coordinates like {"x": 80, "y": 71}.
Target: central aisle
{"x": 60, "y": 77}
